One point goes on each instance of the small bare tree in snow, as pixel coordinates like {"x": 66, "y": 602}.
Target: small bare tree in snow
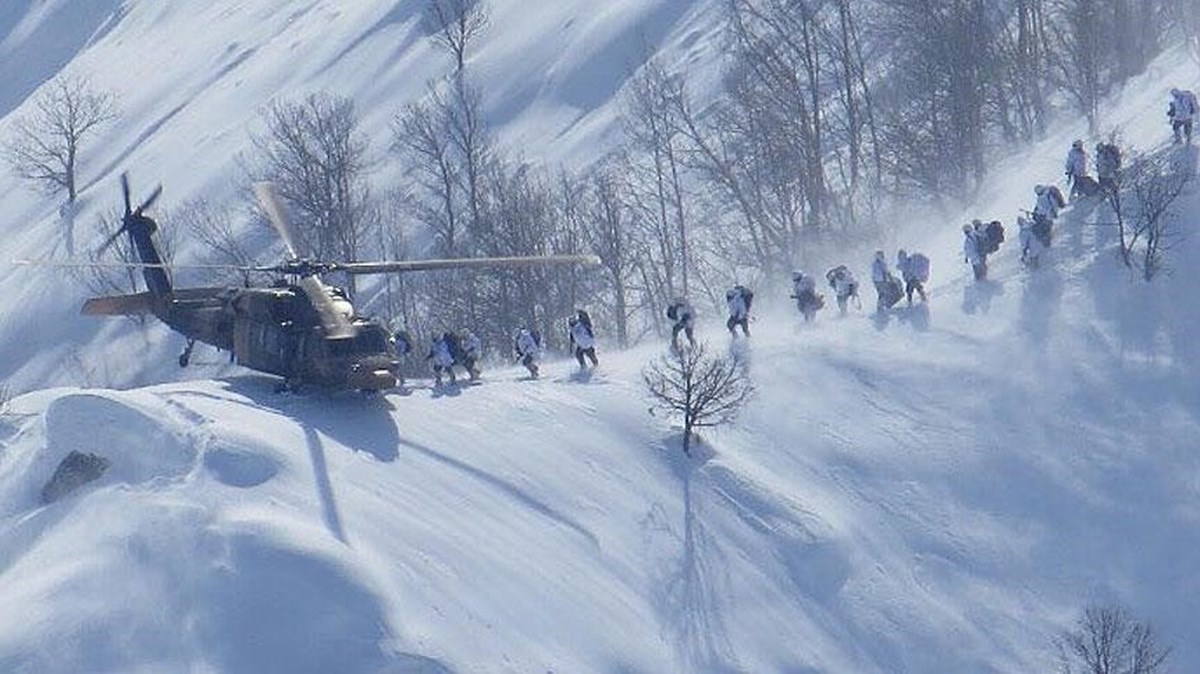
{"x": 455, "y": 25}
{"x": 45, "y": 145}
{"x": 1144, "y": 202}
{"x": 705, "y": 390}
{"x": 1107, "y": 640}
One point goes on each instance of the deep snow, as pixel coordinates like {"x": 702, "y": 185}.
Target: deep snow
{"x": 942, "y": 491}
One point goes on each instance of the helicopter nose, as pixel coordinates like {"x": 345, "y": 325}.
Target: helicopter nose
{"x": 372, "y": 378}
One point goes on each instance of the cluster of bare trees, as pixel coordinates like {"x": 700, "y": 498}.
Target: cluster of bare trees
{"x": 965, "y": 76}
{"x": 470, "y": 200}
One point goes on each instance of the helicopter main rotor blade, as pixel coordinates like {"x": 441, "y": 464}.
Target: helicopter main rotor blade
{"x": 270, "y": 204}
{"x": 336, "y": 325}
{"x": 402, "y": 266}
{"x": 88, "y": 264}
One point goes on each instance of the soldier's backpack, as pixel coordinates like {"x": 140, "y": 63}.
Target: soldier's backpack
{"x": 1112, "y": 155}
{"x": 1087, "y": 186}
{"x": 918, "y": 266}
{"x": 1056, "y": 194}
{"x": 455, "y": 346}
{"x": 895, "y": 291}
{"x": 403, "y": 342}
{"x": 834, "y": 274}
{"x": 993, "y": 237}
{"x": 587, "y": 322}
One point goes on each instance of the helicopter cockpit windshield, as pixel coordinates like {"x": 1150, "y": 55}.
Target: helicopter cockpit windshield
{"x": 370, "y": 339}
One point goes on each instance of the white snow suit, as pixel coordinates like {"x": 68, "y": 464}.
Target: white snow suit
{"x": 737, "y": 305}
{"x": 1076, "y": 164}
{"x": 526, "y": 344}
{"x": 879, "y": 271}
{"x": 1045, "y": 206}
{"x": 844, "y": 284}
{"x": 580, "y": 337}
{"x": 685, "y": 320}
{"x": 528, "y": 350}
{"x": 1031, "y": 246}
{"x": 1183, "y": 106}
{"x": 440, "y": 353}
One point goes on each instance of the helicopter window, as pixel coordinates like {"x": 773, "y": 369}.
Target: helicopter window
{"x": 273, "y": 341}
{"x": 366, "y": 341}
{"x": 374, "y": 341}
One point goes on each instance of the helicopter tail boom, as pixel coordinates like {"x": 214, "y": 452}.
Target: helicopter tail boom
{"x": 120, "y": 305}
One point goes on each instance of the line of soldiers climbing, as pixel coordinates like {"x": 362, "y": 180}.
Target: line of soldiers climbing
{"x": 913, "y": 274}
{"x": 739, "y": 300}
{"x": 980, "y": 239}
{"x": 1036, "y": 226}
{"x": 464, "y": 349}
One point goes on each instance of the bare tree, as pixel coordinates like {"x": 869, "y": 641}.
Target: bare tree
{"x": 654, "y": 163}
{"x": 45, "y": 145}
{"x": 704, "y": 390}
{"x": 1022, "y": 48}
{"x": 1143, "y": 201}
{"x": 314, "y": 153}
{"x": 1107, "y": 640}
{"x": 455, "y": 24}
{"x": 609, "y": 231}
{"x": 421, "y": 134}
{"x": 213, "y": 227}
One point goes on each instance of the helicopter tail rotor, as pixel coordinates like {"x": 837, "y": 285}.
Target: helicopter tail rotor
{"x": 130, "y": 212}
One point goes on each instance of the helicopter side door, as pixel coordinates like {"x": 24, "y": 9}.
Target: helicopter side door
{"x": 266, "y": 346}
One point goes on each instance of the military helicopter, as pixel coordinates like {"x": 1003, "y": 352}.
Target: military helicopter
{"x": 300, "y": 328}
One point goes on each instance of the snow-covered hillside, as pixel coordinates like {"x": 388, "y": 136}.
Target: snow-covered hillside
{"x": 941, "y": 490}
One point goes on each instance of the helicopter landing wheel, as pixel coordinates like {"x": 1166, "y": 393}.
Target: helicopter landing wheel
{"x": 187, "y": 353}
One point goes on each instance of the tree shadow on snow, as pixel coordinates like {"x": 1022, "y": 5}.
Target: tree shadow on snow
{"x": 698, "y": 565}
{"x": 692, "y": 588}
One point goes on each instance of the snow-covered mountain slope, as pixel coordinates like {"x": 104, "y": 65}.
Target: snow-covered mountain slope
{"x": 940, "y": 491}
{"x": 938, "y": 494}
